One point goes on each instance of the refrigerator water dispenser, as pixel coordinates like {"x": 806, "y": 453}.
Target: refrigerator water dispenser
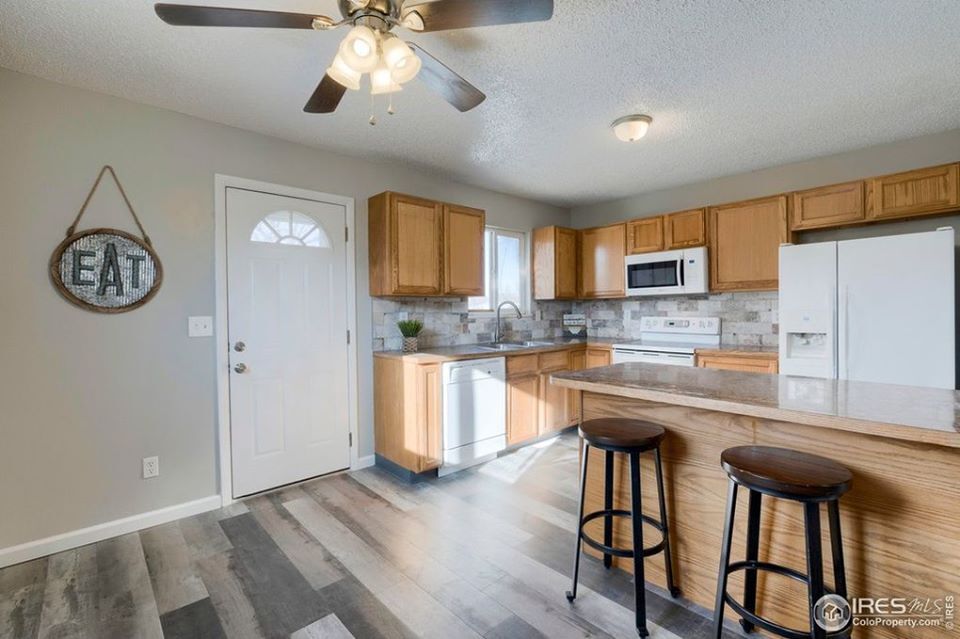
{"x": 808, "y": 345}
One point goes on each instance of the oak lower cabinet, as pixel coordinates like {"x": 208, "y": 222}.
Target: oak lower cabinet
{"x": 553, "y": 399}
{"x": 578, "y": 362}
{"x": 424, "y": 248}
{"x": 408, "y": 415}
{"x": 921, "y": 192}
{"x": 829, "y": 206}
{"x": 740, "y": 361}
{"x": 602, "y": 266}
{"x": 523, "y": 408}
{"x": 645, "y": 235}
{"x": 598, "y": 356}
{"x": 744, "y": 244}
{"x": 555, "y": 263}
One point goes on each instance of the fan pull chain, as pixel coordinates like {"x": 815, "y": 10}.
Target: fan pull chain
{"x": 373, "y": 117}
{"x": 390, "y": 110}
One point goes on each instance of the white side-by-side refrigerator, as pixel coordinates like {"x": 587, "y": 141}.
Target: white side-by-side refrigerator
{"x": 876, "y": 310}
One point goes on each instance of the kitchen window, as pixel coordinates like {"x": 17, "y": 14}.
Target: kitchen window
{"x": 506, "y": 270}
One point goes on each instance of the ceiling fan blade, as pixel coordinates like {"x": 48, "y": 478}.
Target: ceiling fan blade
{"x": 194, "y": 16}
{"x": 453, "y": 88}
{"x": 327, "y": 96}
{"x": 441, "y": 15}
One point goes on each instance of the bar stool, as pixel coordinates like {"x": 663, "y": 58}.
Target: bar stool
{"x": 633, "y": 437}
{"x": 786, "y": 474}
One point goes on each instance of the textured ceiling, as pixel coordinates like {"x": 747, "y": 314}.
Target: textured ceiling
{"x": 732, "y": 85}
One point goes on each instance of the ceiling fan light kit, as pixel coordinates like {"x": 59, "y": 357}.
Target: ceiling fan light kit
{"x": 344, "y": 74}
{"x": 631, "y": 128}
{"x": 370, "y": 47}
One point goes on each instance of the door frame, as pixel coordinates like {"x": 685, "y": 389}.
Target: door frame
{"x": 221, "y": 322}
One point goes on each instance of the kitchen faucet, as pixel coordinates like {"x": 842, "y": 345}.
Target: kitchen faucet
{"x": 499, "y": 333}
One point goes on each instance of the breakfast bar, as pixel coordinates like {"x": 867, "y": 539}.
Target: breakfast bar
{"x": 900, "y": 520}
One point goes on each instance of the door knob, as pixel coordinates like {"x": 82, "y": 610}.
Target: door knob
{"x": 239, "y": 347}
{"x": 240, "y": 368}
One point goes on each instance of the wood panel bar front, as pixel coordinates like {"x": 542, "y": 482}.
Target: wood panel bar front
{"x": 900, "y": 521}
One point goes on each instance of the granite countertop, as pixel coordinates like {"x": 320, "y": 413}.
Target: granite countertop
{"x": 909, "y": 413}
{"x": 473, "y": 351}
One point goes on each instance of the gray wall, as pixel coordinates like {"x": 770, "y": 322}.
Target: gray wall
{"x": 83, "y": 397}
{"x": 887, "y": 158}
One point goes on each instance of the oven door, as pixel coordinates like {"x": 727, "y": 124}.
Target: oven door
{"x": 621, "y": 355}
{"x": 655, "y": 273}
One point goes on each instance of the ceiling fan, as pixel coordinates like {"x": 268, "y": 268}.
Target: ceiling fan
{"x": 371, "y": 47}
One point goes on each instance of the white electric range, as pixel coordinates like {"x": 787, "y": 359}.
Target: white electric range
{"x": 670, "y": 340}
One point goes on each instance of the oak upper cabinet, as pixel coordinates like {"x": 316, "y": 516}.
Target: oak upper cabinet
{"x": 555, "y": 263}
{"x": 919, "y": 192}
{"x": 744, "y": 241}
{"x": 645, "y": 235}
{"x": 685, "y": 229}
{"x": 829, "y": 206}
{"x": 424, "y": 248}
{"x": 463, "y": 250}
{"x": 602, "y": 252}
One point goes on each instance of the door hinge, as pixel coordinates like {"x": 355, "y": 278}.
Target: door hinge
{"x": 348, "y": 337}
{"x": 346, "y": 234}
{"x": 350, "y": 436}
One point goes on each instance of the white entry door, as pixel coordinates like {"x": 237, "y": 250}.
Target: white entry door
{"x": 287, "y": 301}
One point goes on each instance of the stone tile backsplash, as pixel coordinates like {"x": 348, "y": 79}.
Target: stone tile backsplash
{"x": 746, "y": 319}
{"x": 446, "y": 322}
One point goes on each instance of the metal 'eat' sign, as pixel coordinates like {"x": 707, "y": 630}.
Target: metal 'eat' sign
{"x": 106, "y": 270}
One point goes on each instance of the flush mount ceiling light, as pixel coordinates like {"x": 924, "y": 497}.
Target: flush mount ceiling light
{"x": 370, "y": 47}
{"x": 631, "y": 128}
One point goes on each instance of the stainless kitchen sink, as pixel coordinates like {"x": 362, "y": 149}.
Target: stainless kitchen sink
{"x": 511, "y": 346}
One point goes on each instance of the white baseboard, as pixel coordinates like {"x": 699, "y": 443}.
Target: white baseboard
{"x": 106, "y": 530}
{"x": 365, "y": 462}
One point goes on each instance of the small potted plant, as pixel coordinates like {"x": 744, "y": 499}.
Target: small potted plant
{"x": 410, "y": 329}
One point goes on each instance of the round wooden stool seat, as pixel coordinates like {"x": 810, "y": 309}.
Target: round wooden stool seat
{"x": 622, "y": 434}
{"x": 786, "y": 473}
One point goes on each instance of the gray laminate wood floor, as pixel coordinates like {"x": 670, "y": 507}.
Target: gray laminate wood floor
{"x": 483, "y": 553}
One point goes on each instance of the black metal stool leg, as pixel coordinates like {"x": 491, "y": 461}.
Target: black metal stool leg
{"x": 667, "y": 557}
{"x": 836, "y": 544}
{"x": 608, "y": 505}
{"x": 639, "y": 582}
{"x": 811, "y": 517}
{"x": 572, "y": 593}
{"x": 753, "y": 553}
{"x": 724, "y": 561}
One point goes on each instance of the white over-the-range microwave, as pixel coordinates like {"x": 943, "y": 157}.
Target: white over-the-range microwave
{"x": 667, "y": 272}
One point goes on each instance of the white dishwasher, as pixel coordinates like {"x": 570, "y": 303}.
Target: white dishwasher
{"x": 474, "y": 412}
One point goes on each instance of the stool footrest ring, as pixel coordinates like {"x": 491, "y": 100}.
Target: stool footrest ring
{"x": 766, "y": 624}
{"x": 619, "y": 552}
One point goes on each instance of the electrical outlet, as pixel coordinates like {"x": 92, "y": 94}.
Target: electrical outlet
{"x": 151, "y": 467}
{"x": 200, "y": 326}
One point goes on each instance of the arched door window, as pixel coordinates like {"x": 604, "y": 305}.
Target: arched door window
{"x": 290, "y": 228}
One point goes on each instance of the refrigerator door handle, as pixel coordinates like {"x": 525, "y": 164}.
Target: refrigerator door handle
{"x": 844, "y": 323}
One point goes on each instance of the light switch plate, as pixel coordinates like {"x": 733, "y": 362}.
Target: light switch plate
{"x": 151, "y": 467}
{"x": 200, "y": 326}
